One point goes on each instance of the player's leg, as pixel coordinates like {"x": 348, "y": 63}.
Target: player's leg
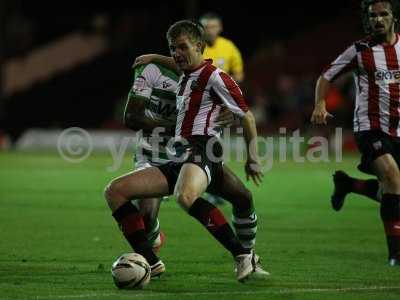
{"x": 191, "y": 183}
{"x": 145, "y": 183}
{"x": 344, "y": 184}
{"x": 244, "y": 218}
{"x": 149, "y": 209}
{"x": 387, "y": 170}
{"x": 380, "y": 157}
{"x": 142, "y": 184}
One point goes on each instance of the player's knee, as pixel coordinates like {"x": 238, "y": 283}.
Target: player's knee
{"x": 108, "y": 193}
{"x": 391, "y": 179}
{"x": 185, "y": 198}
{"x": 111, "y": 191}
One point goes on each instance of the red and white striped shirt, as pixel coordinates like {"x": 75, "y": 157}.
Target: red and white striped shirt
{"x": 200, "y": 96}
{"x": 376, "y": 74}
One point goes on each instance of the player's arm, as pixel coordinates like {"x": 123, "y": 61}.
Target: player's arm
{"x": 232, "y": 97}
{"x": 166, "y": 61}
{"x": 346, "y": 62}
{"x": 253, "y": 166}
{"x": 134, "y": 112}
{"x": 135, "y": 118}
{"x": 320, "y": 114}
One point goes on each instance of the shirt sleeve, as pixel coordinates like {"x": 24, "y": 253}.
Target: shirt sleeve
{"x": 145, "y": 79}
{"x": 229, "y": 93}
{"x": 344, "y": 63}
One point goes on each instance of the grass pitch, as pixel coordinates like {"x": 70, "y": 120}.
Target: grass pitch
{"x": 58, "y": 239}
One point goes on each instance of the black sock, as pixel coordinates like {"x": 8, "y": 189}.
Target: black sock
{"x": 214, "y": 221}
{"x": 367, "y": 188}
{"x": 390, "y": 214}
{"x": 131, "y": 223}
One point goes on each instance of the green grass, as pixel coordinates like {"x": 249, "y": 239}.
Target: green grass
{"x": 58, "y": 239}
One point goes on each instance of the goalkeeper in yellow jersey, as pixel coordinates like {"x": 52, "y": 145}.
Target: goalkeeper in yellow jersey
{"x": 222, "y": 51}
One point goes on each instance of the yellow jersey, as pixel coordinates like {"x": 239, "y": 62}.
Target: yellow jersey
{"x": 225, "y": 55}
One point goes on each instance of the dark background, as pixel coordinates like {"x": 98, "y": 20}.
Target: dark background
{"x": 285, "y": 45}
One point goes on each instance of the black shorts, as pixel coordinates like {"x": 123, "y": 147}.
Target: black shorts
{"x": 203, "y": 151}
{"x": 375, "y": 143}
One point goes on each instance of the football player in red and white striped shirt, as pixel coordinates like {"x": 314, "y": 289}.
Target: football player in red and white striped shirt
{"x": 374, "y": 62}
{"x": 202, "y": 92}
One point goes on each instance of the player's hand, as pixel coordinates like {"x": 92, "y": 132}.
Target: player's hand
{"x": 320, "y": 115}
{"x": 143, "y": 60}
{"x": 225, "y": 118}
{"x": 253, "y": 171}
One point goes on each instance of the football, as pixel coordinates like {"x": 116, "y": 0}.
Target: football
{"x": 131, "y": 271}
